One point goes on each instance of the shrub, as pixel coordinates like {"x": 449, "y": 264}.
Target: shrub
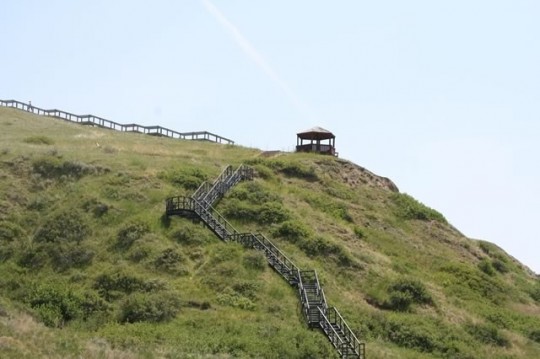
{"x": 199, "y": 305}
{"x": 111, "y": 286}
{"x": 170, "y": 261}
{"x": 409, "y": 336}
{"x": 298, "y": 170}
{"x": 97, "y": 208}
{"x": 6, "y": 252}
{"x": 469, "y": 283}
{"x": 56, "y": 304}
{"x": 486, "y": 267}
{"x": 130, "y": 233}
{"x": 143, "y": 307}
{"x": 401, "y": 295}
{"x": 319, "y": 246}
{"x": 487, "y": 334}
{"x": 66, "y": 226}
{"x": 254, "y": 193}
{"x": 535, "y": 293}
{"x": 255, "y": 260}
{"x": 292, "y": 231}
{"x": 414, "y": 288}
{"x": 271, "y": 213}
{"x": 65, "y": 256}
{"x": 409, "y": 208}
{"x": 189, "y": 234}
{"x": 239, "y": 210}
{"x": 359, "y": 232}
{"x": 263, "y": 172}
{"x": 234, "y": 299}
{"x": 187, "y": 177}
{"x": 400, "y": 301}
{"x": 39, "y": 140}
{"x": 10, "y": 231}
{"x": 247, "y": 289}
{"x": 54, "y": 168}
{"x": 32, "y": 258}
{"x": 535, "y": 335}
{"x": 499, "y": 266}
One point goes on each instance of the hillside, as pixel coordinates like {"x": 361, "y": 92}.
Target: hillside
{"x": 92, "y": 268}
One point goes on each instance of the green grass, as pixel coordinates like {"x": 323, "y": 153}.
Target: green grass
{"x": 91, "y": 268}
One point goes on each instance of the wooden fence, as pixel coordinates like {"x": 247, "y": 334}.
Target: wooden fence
{"x": 103, "y": 123}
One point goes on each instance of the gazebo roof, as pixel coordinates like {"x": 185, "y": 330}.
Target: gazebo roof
{"x": 316, "y": 133}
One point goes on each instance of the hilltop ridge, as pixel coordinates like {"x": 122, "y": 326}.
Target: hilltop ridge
{"x": 93, "y": 268}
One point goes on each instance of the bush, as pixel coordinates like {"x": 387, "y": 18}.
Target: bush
{"x": 255, "y": 260}
{"x": 400, "y": 301}
{"x": 170, "y": 261}
{"x": 247, "y": 289}
{"x": 155, "y": 308}
{"x": 499, "y": 266}
{"x": 239, "y": 210}
{"x": 66, "y": 226}
{"x": 414, "y": 288}
{"x": 409, "y": 208}
{"x": 298, "y": 170}
{"x": 267, "y": 213}
{"x": 535, "y": 293}
{"x": 32, "y": 258}
{"x": 189, "y": 178}
{"x": 359, "y": 232}
{"x": 254, "y": 193}
{"x": 234, "y": 299}
{"x": 401, "y": 295}
{"x": 409, "y": 336}
{"x": 272, "y": 213}
{"x": 486, "y": 267}
{"x": 130, "y": 233}
{"x": 55, "y": 168}
{"x": 10, "y": 231}
{"x": 39, "y": 140}
{"x": 329, "y": 205}
{"x": 190, "y": 234}
{"x": 56, "y": 304}
{"x": 65, "y": 256}
{"x": 292, "y": 231}
{"x": 111, "y": 286}
{"x": 535, "y": 335}
{"x": 487, "y": 334}
{"x": 97, "y": 208}
{"x": 467, "y": 282}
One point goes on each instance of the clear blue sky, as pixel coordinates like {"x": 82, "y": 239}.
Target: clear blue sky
{"x": 443, "y": 97}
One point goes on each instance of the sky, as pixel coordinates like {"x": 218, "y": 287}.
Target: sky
{"x": 442, "y": 97}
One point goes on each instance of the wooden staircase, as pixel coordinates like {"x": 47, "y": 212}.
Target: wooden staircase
{"x": 314, "y": 306}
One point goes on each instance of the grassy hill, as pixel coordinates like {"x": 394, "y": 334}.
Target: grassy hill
{"x": 90, "y": 267}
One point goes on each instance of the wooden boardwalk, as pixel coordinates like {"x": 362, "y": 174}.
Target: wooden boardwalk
{"x": 103, "y": 123}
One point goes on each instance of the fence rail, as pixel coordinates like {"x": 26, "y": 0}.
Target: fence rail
{"x": 104, "y": 123}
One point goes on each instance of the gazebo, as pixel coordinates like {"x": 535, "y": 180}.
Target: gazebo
{"x": 313, "y": 138}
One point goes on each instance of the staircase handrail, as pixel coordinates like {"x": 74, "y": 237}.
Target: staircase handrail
{"x": 274, "y": 249}
{"x": 320, "y": 292}
{"x": 303, "y": 297}
{"x": 215, "y": 188}
{"x": 339, "y": 343}
{"x": 201, "y": 190}
{"x": 349, "y": 334}
{"x": 229, "y": 228}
